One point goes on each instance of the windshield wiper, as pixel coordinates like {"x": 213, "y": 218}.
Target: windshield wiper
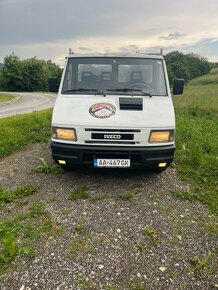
{"x": 85, "y": 90}
{"x": 130, "y": 90}
{"x": 80, "y": 90}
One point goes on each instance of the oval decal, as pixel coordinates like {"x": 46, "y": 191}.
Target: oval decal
{"x": 102, "y": 110}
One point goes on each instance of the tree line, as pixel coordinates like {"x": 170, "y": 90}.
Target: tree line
{"x": 28, "y": 74}
{"x": 32, "y": 74}
{"x": 186, "y": 66}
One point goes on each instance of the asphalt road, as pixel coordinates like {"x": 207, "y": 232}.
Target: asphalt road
{"x": 26, "y": 103}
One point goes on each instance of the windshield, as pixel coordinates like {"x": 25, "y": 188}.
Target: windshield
{"x": 114, "y": 75}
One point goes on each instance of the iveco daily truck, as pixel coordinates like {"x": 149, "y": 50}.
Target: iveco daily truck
{"x": 114, "y": 110}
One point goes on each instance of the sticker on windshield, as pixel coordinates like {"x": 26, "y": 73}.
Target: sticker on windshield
{"x": 102, "y": 110}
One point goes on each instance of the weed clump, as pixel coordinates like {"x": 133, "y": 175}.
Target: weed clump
{"x": 19, "y": 234}
{"x": 8, "y": 196}
{"x": 80, "y": 192}
{"x": 46, "y": 167}
{"x": 199, "y": 265}
{"x": 126, "y": 196}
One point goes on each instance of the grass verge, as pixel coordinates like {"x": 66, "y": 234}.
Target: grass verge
{"x": 196, "y": 140}
{"x": 6, "y": 97}
{"x": 18, "y": 131}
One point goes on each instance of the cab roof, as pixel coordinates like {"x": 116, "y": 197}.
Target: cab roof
{"x": 131, "y": 55}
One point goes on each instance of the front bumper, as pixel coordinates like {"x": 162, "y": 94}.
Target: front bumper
{"x": 84, "y": 155}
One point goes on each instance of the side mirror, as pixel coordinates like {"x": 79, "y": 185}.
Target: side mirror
{"x": 53, "y": 84}
{"x": 178, "y": 86}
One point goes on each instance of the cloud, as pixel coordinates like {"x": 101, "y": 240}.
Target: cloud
{"x": 85, "y": 49}
{"x": 47, "y": 28}
{"x": 173, "y": 36}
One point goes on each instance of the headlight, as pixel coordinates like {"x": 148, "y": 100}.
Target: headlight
{"x": 161, "y": 136}
{"x": 64, "y": 134}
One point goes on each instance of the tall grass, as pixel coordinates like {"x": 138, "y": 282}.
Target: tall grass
{"x": 209, "y": 79}
{"x": 18, "y": 131}
{"x": 197, "y": 138}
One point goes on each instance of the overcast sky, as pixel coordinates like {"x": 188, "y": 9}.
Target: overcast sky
{"x": 47, "y": 28}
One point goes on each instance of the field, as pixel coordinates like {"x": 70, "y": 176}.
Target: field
{"x": 196, "y": 139}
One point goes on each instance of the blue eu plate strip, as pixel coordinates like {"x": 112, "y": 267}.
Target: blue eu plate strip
{"x": 95, "y": 163}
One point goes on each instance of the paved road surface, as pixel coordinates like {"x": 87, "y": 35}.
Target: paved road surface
{"x": 26, "y": 103}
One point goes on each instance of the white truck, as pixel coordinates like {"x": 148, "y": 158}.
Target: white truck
{"x": 114, "y": 110}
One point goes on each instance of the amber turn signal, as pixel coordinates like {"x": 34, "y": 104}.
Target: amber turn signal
{"x": 64, "y": 134}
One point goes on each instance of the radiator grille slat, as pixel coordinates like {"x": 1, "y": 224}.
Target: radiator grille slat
{"x": 112, "y": 130}
{"x": 111, "y": 142}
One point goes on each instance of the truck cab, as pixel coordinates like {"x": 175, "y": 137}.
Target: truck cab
{"x": 114, "y": 110}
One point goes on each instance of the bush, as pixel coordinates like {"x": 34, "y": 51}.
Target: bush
{"x": 186, "y": 66}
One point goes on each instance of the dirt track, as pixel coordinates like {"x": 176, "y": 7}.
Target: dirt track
{"x": 119, "y": 253}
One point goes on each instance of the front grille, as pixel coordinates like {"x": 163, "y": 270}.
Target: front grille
{"x": 112, "y": 130}
{"x": 111, "y": 142}
{"x": 111, "y": 136}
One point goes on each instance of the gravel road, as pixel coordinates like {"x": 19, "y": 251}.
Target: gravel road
{"x": 26, "y": 103}
{"x": 117, "y": 254}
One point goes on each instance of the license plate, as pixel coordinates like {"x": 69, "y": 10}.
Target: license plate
{"x": 112, "y": 163}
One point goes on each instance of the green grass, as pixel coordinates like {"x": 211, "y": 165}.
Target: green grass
{"x": 138, "y": 286}
{"x": 208, "y": 79}
{"x": 80, "y": 245}
{"x": 111, "y": 287}
{"x": 84, "y": 283}
{"x": 45, "y": 167}
{"x": 151, "y": 235}
{"x": 19, "y": 234}
{"x": 8, "y": 196}
{"x": 80, "y": 192}
{"x": 84, "y": 243}
{"x": 200, "y": 264}
{"x": 196, "y": 141}
{"x": 5, "y": 97}
{"x": 18, "y": 131}
{"x": 126, "y": 196}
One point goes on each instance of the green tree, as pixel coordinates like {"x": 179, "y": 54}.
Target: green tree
{"x": 11, "y": 75}
{"x": 198, "y": 65}
{"x": 27, "y": 75}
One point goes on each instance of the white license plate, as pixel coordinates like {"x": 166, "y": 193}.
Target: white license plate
{"x": 111, "y": 162}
